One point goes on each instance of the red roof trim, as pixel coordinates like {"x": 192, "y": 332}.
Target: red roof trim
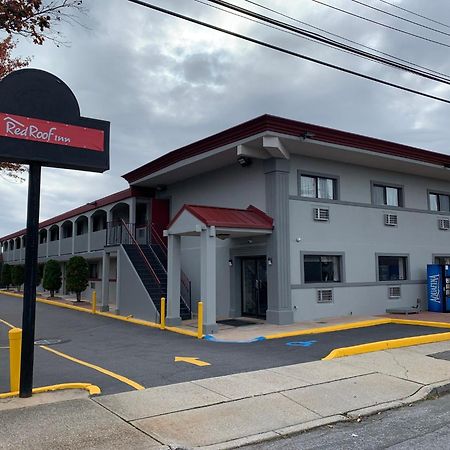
{"x": 251, "y": 217}
{"x": 113, "y": 198}
{"x": 289, "y": 127}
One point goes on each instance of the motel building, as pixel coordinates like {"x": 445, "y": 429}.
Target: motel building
{"x": 273, "y": 218}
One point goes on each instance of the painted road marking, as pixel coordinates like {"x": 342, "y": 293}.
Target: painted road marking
{"x": 7, "y": 323}
{"x": 191, "y": 360}
{"x": 121, "y": 378}
{"x": 301, "y": 343}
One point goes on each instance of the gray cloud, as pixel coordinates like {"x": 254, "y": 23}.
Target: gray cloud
{"x": 164, "y": 83}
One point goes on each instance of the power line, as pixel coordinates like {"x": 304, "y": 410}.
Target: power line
{"x": 399, "y": 17}
{"x": 334, "y": 43}
{"x": 286, "y": 51}
{"x": 382, "y": 24}
{"x": 414, "y": 13}
{"x": 344, "y": 38}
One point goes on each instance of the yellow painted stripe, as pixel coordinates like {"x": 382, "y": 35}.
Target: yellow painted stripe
{"x": 425, "y": 323}
{"x": 121, "y": 378}
{"x": 331, "y": 328}
{"x": 91, "y": 388}
{"x": 182, "y": 331}
{"x": 7, "y": 323}
{"x": 387, "y": 345}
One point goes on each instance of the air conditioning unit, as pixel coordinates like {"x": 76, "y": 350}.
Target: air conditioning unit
{"x": 394, "y": 292}
{"x": 322, "y": 214}
{"x": 390, "y": 220}
{"x": 444, "y": 223}
{"x": 324, "y": 295}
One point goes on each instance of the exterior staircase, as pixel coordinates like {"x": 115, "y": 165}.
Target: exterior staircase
{"x": 154, "y": 279}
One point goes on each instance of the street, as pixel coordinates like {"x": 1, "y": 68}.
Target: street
{"x": 142, "y": 357}
{"x": 423, "y": 425}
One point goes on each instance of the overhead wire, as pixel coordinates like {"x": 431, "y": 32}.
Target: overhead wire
{"x": 398, "y": 17}
{"x": 336, "y": 44}
{"x": 414, "y": 13}
{"x": 286, "y": 51}
{"x": 399, "y": 30}
{"x": 345, "y": 39}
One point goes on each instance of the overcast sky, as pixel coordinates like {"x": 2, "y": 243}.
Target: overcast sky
{"x": 163, "y": 83}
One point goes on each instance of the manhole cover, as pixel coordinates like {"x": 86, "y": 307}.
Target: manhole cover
{"x": 52, "y": 341}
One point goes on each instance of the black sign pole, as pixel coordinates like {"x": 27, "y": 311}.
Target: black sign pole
{"x": 29, "y": 294}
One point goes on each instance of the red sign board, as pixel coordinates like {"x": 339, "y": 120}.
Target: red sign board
{"x": 29, "y": 129}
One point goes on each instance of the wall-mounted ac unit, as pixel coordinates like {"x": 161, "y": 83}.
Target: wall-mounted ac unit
{"x": 322, "y": 214}
{"x": 390, "y": 220}
{"x": 394, "y": 292}
{"x": 444, "y": 223}
{"x": 324, "y": 295}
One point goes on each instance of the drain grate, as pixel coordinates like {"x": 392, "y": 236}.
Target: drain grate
{"x": 51, "y": 341}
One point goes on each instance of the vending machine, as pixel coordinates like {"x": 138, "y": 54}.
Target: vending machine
{"x": 438, "y": 287}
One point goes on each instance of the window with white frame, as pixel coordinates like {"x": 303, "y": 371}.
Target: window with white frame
{"x": 322, "y": 268}
{"x": 318, "y": 187}
{"x": 439, "y": 202}
{"x": 387, "y": 195}
{"x": 392, "y": 268}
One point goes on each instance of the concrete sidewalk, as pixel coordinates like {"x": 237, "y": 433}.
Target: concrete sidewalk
{"x": 234, "y": 410}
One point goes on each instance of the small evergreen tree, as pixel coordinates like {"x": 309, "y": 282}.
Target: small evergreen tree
{"x": 52, "y": 277}
{"x": 17, "y": 276}
{"x": 6, "y": 275}
{"x": 77, "y": 275}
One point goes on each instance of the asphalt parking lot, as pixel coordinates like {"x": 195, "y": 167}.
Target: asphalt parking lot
{"x": 147, "y": 356}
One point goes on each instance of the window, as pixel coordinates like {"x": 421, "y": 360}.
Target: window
{"x": 392, "y": 268}
{"x": 387, "y": 195}
{"x": 93, "y": 271}
{"x": 317, "y": 187}
{"x": 322, "y": 268}
{"x": 439, "y": 202}
{"x": 442, "y": 260}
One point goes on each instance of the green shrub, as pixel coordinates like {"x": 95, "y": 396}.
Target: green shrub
{"x": 6, "y": 275}
{"x": 17, "y": 276}
{"x": 77, "y": 275}
{"x": 52, "y": 277}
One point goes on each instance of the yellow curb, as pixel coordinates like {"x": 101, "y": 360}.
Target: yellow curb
{"x": 91, "y": 388}
{"x": 362, "y": 324}
{"x": 144, "y": 323}
{"x": 331, "y": 328}
{"x": 386, "y": 345}
{"x": 182, "y": 331}
{"x": 424, "y": 323}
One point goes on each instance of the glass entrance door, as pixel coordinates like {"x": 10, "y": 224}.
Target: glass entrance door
{"x": 254, "y": 287}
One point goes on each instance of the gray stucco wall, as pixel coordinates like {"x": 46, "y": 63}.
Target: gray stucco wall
{"x": 233, "y": 187}
{"x": 356, "y": 229}
{"x": 134, "y": 298}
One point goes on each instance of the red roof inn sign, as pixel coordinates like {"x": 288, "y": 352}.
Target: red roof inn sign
{"x": 41, "y": 125}
{"x": 40, "y": 121}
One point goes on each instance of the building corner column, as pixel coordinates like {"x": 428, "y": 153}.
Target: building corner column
{"x": 173, "y": 317}
{"x": 279, "y": 309}
{"x": 105, "y": 281}
{"x": 208, "y": 279}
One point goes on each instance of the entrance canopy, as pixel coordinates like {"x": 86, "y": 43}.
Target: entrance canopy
{"x": 208, "y": 222}
{"x": 227, "y": 222}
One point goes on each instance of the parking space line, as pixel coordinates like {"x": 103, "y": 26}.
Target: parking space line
{"x": 121, "y": 378}
{"x": 7, "y": 323}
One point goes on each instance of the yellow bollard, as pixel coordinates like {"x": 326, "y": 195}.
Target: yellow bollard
{"x": 94, "y": 302}
{"x": 200, "y": 321}
{"x": 15, "y": 348}
{"x": 163, "y": 313}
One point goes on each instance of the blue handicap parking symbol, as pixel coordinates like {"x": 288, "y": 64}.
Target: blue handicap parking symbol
{"x": 301, "y": 343}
